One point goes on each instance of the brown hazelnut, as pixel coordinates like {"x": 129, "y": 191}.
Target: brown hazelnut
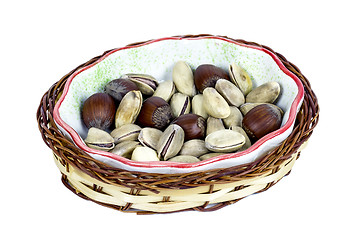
{"x": 194, "y": 126}
{"x": 98, "y": 111}
{"x": 117, "y": 88}
{"x": 261, "y": 120}
{"x": 155, "y": 112}
{"x": 206, "y": 75}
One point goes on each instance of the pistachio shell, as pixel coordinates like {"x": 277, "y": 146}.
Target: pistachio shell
{"x": 224, "y": 141}
{"x": 183, "y": 78}
{"x": 147, "y": 84}
{"x": 165, "y": 90}
{"x": 265, "y": 93}
{"x": 144, "y": 154}
{"x": 194, "y": 147}
{"x": 128, "y": 108}
{"x": 126, "y": 132}
{"x": 180, "y": 104}
{"x": 170, "y": 142}
{"x": 213, "y": 125}
{"x": 197, "y": 106}
{"x": 247, "y": 139}
{"x": 125, "y": 148}
{"x": 234, "y": 119}
{"x": 99, "y": 139}
{"x": 240, "y": 78}
{"x": 246, "y": 107}
{"x": 184, "y": 159}
{"x": 149, "y": 137}
{"x": 214, "y": 104}
{"x": 230, "y": 92}
{"x": 209, "y": 155}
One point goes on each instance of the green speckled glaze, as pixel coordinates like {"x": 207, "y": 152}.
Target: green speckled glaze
{"x": 158, "y": 59}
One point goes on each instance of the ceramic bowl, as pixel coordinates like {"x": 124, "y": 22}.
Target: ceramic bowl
{"x": 157, "y": 58}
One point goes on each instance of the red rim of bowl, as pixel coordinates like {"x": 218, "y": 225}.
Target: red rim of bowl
{"x": 165, "y": 164}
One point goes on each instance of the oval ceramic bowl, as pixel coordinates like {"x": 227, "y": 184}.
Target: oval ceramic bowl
{"x": 157, "y": 58}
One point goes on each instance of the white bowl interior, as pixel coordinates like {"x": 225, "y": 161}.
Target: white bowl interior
{"x": 158, "y": 59}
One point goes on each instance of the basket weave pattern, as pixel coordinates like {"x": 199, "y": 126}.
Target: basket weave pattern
{"x": 152, "y": 192}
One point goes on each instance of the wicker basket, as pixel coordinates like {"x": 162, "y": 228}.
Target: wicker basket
{"x": 144, "y": 193}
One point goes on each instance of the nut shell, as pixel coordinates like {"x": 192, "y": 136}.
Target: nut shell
{"x": 206, "y": 75}
{"x": 117, "y": 88}
{"x": 194, "y": 126}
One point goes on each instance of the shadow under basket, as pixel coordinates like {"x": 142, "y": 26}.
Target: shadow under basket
{"x": 146, "y": 193}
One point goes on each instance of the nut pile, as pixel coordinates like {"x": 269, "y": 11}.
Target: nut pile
{"x": 194, "y": 116}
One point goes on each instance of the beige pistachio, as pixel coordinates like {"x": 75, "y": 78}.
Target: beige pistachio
{"x": 230, "y": 92}
{"x": 224, "y": 141}
{"x": 126, "y": 132}
{"x": 184, "y": 159}
{"x": 234, "y": 119}
{"x": 209, "y": 155}
{"x": 183, "y": 78}
{"x": 128, "y": 108}
{"x": 246, "y": 107}
{"x": 147, "y": 84}
{"x": 247, "y": 139}
{"x": 214, "y": 104}
{"x": 144, "y": 154}
{"x": 197, "y": 106}
{"x": 170, "y": 142}
{"x": 213, "y": 125}
{"x": 165, "y": 90}
{"x": 99, "y": 139}
{"x": 180, "y": 104}
{"x": 240, "y": 78}
{"x": 125, "y": 148}
{"x": 194, "y": 147}
{"x": 149, "y": 137}
{"x": 265, "y": 93}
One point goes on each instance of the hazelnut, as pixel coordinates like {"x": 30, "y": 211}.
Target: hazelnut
{"x": 194, "y": 126}
{"x": 206, "y": 75}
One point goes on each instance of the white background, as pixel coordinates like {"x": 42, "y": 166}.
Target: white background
{"x": 43, "y": 40}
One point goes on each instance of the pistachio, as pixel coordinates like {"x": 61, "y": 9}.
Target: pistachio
{"x": 247, "y": 139}
{"x": 224, "y": 141}
{"x": 126, "y": 132}
{"x": 149, "y": 137}
{"x": 214, "y": 104}
{"x": 165, "y": 90}
{"x": 209, "y": 155}
{"x": 265, "y": 93}
{"x": 246, "y": 107}
{"x": 197, "y": 106}
{"x": 170, "y": 142}
{"x": 213, "y": 125}
{"x": 184, "y": 159}
{"x": 234, "y": 119}
{"x": 128, "y": 108}
{"x": 144, "y": 154}
{"x": 99, "y": 139}
{"x": 240, "y": 78}
{"x": 230, "y": 92}
{"x": 183, "y": 78}
{"x": 147, "y": 84}
{"x": 180, "y": 104}
{"x": 194, "y": 147}
{"x": 125, "y": 148}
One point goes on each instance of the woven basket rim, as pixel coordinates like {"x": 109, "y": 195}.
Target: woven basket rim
{"x": 306, "y": 121}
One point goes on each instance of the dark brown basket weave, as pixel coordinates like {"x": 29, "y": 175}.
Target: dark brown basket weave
{"x": 152, "y": 192}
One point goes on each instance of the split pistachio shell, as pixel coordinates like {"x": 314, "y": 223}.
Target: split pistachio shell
{"x": 230, "y": 92}
{"x": 224, "y": 141}
{"x": 149, "y": 137}
{"x": 265, "y": 93}
{"x": 180, "y": 104}
{"x": 128, "y": 108}
{"x": 125, "y": 148}
{"x": 147, "y": 84}
{"x": 165, "y": 90}
{"x": 234, "y": 119}
{"x": 246, "y": 107}
{"x": 170, "y": 142}
{"x": 194, "y": 147}
{"x": 197, "y": 106}
{"x": 247, "y": 139}
{"x": 214, "y": 104}
{"x": 99, "y": 139}
{"x": 144, "y": 154}
{"x": 184, "y": 159}
{"x": 183, "y": 78}
{"x": 240, "y": 78}
{"x": 213, "y": 125}
{"x": 209, "y": 155}
{"x": 126, "y": 132}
